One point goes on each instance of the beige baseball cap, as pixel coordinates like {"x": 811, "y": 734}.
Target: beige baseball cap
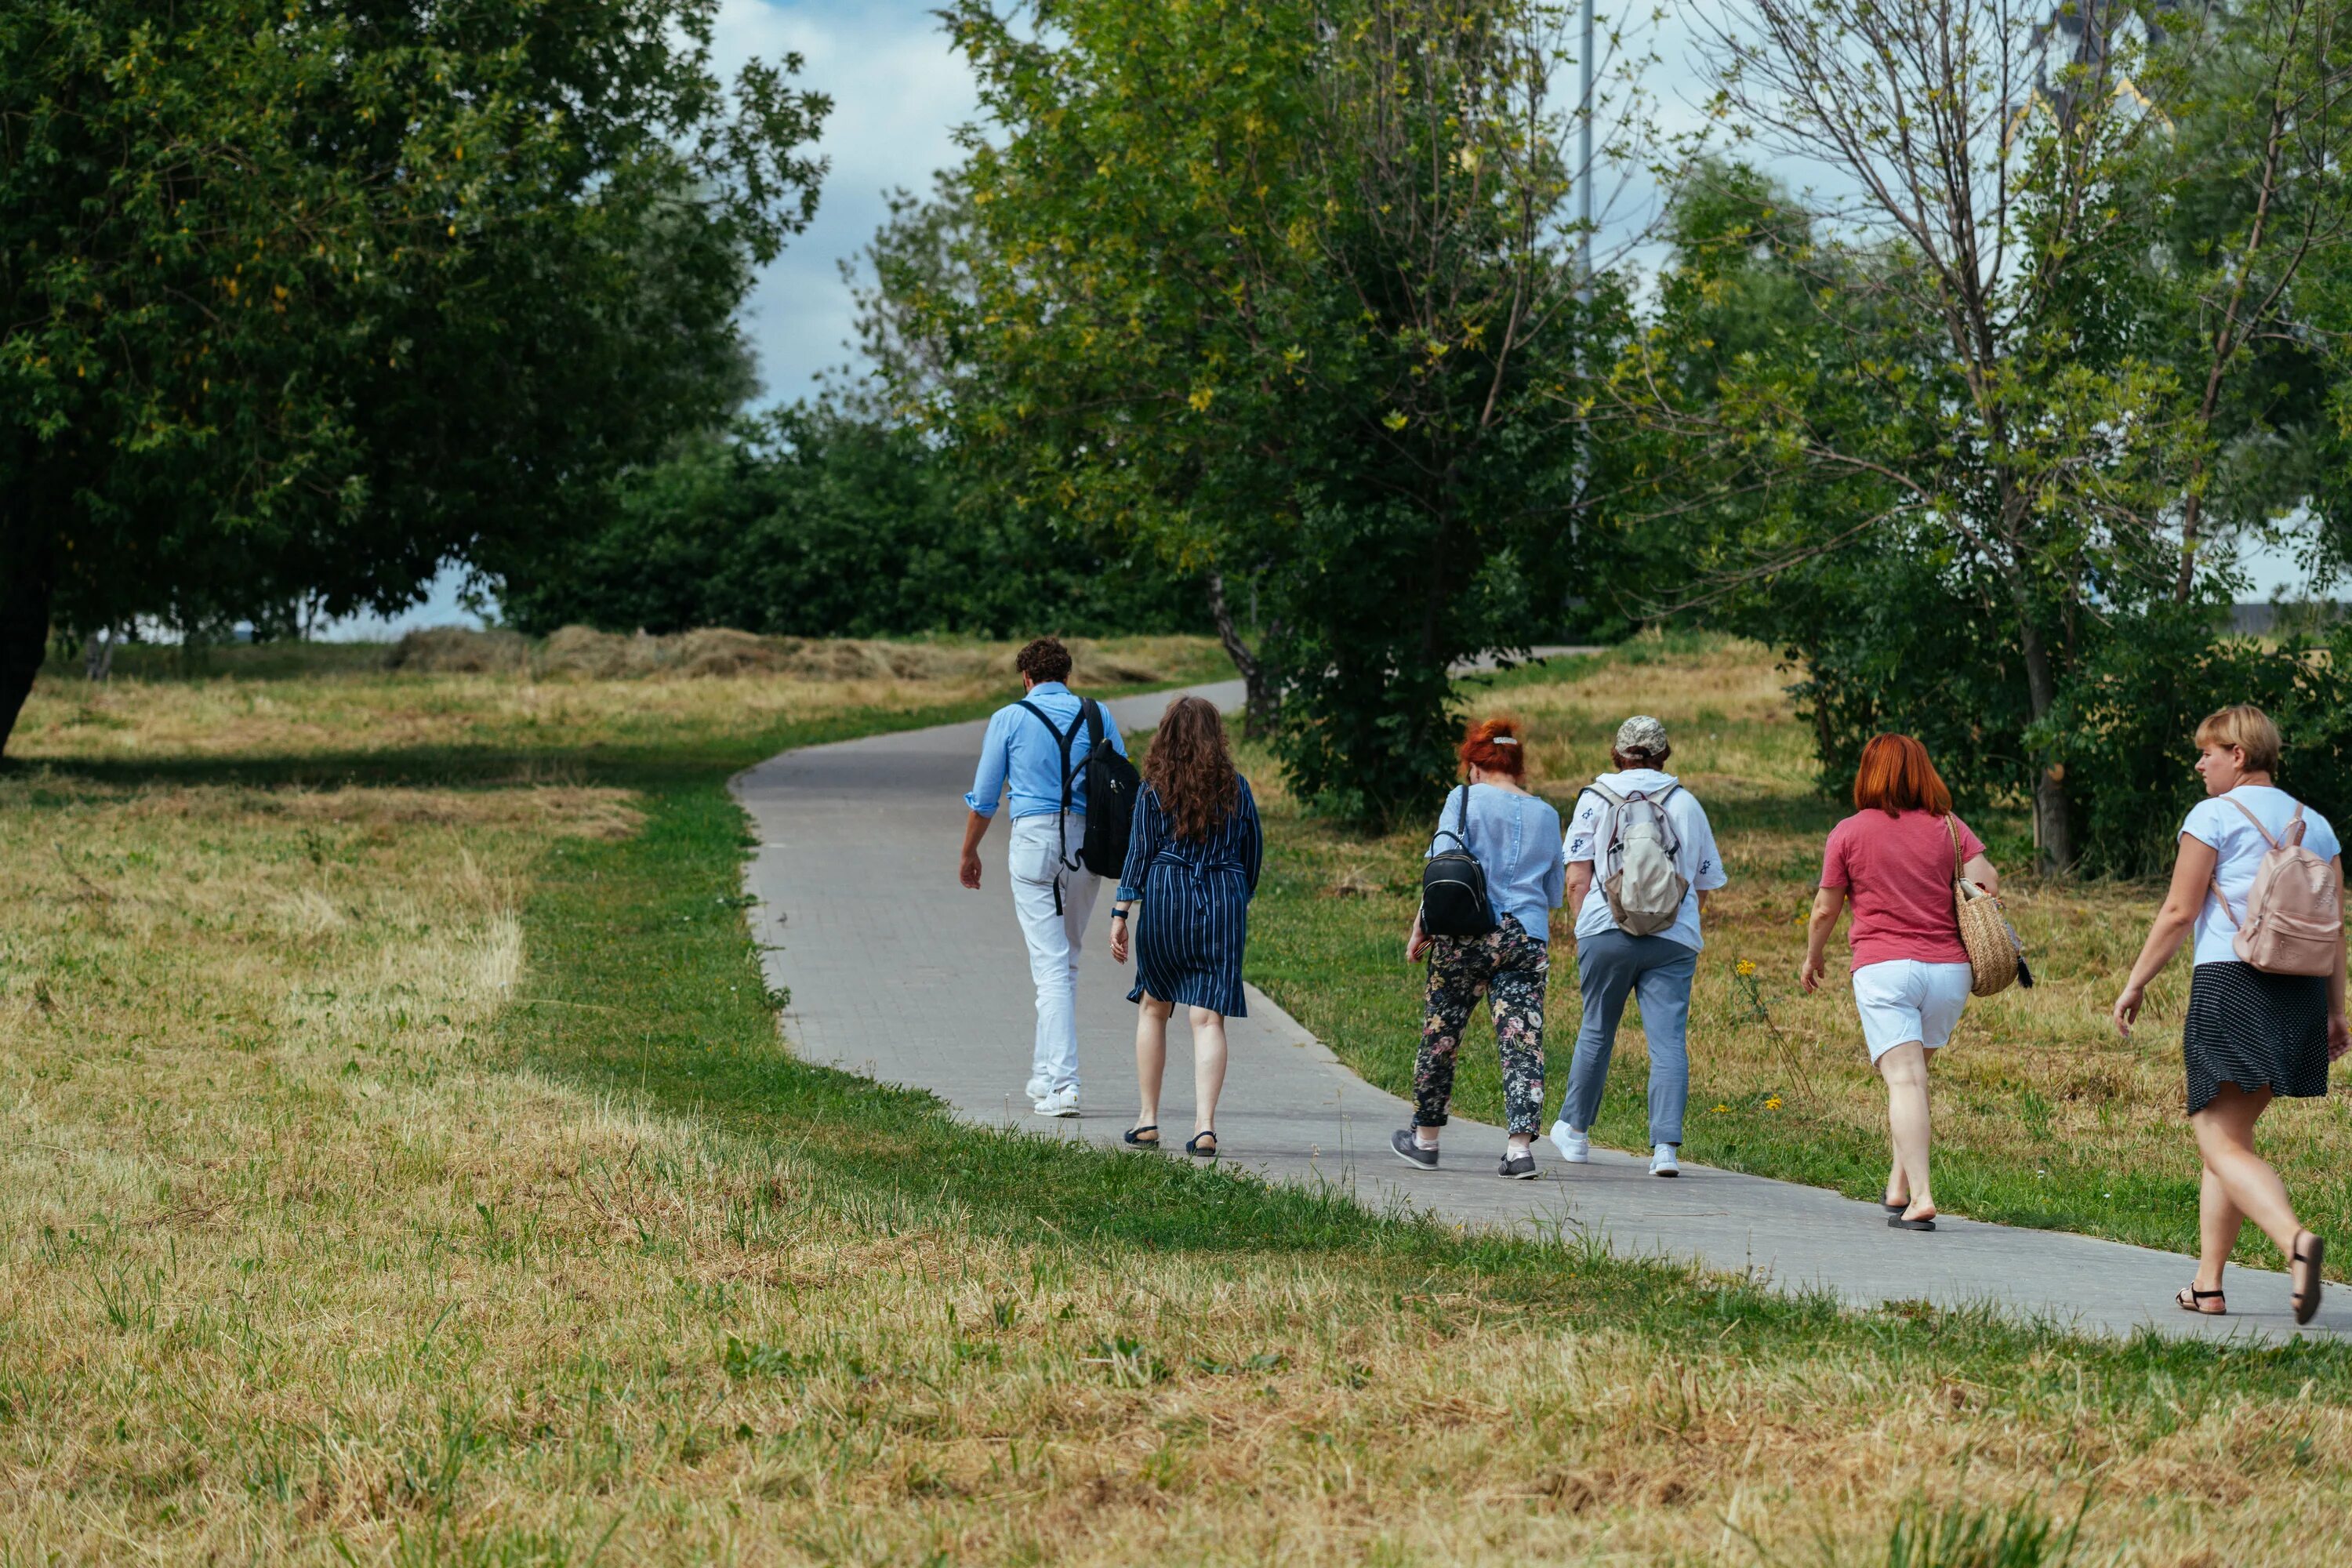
{"x": 1642, "y": 734}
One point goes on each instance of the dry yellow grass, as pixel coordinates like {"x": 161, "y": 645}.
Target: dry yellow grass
{"x": 296, "y": 1267}
{"x": 2044, "y": 1114}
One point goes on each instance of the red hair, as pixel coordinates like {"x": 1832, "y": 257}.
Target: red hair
{"x": 1495, "y": 746}
{"x": 1896, "y": 776}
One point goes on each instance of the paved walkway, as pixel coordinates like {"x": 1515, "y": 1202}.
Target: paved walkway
{"x": 898, "y": 973}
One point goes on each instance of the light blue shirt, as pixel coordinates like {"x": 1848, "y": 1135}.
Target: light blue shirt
{"x": 1517, "y": 840}
{"x": 2238, "y": 851}
{"x": 1018, "y": 752}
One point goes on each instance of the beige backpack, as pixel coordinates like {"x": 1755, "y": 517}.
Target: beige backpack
{"x": 2293, "y": 919}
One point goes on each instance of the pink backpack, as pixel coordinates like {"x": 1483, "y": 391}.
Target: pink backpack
{"x": 2293, "y": 919}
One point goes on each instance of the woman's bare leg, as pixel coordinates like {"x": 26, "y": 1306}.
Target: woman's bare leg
{"x": 1151, "y": 1055}
{"x": 2225, "y": 1138}
{"x": 1207, "y": 1067}
{"x": 2218, "y": 1223}
{"x": 1905, "y": 1069}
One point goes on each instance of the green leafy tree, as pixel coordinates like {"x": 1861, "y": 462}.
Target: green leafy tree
{"x": 819, "y": 523}
{"x": 1289, "y": 292}
{"x": 306, "y": 299}
{"x": 1996, "y": 411}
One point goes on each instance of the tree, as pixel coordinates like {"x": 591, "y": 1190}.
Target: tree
{"x": 311, "y": 298}
{"x": 1288, "y": 292}
{"x": 2015, "y": 373}
{"x": 814, "y": 522}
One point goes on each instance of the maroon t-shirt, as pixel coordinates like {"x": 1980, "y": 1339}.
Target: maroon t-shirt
{"x": 1899, "y": 872}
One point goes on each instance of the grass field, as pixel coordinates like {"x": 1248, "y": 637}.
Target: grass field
{"x": 403, "y": 1168}
{"x": 2045, "y": 1117}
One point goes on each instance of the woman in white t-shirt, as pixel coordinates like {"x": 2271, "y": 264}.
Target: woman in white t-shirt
{"x": 2250, "y": 1035}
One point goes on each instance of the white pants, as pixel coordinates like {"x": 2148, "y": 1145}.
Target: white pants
{"x": 1902, "y": 1000}
{"x": 1054, "y": 939}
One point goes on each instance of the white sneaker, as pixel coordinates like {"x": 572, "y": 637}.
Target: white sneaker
{"x": 1039, "y": 1087}
{"x": 1061, "y": 1102}
{"x": 1574, "y": 1147}
{"x": 1662, "y": 1160}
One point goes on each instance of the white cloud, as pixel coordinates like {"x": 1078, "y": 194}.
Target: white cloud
{"x": 899, "y": 92}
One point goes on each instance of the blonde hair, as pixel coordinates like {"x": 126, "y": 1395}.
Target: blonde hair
{"x": 2247, "y": 728}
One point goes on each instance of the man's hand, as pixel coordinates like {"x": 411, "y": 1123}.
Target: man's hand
{"x": 975, "y": 827}
{"x": 2339, "y": 1038}
{"x": 1810, "y": 972}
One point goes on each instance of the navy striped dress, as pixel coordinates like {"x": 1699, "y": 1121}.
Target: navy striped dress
{"x": 1192, "y": 920}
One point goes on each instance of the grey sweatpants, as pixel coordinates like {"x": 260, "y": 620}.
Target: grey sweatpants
{"x": 1610, "y": 967}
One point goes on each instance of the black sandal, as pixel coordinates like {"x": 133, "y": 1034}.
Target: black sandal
{"x": 1192, "y": 1145}
{"x": 2306, "y": 1301}
{"x": 2189, "y": 1296}
{"x": 1896, "y": 1222}
{"x": 1895, "y": 1208}
{"x": 1131, "y": 1135}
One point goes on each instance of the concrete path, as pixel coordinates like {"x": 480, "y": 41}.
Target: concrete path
{"x": 898, "y": 973}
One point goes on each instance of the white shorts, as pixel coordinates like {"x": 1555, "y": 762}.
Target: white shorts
{"x": 1902, "y": 1000}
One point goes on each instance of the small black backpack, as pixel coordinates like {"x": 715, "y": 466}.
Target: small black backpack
{"x": 1454, "y": 900}
{"x": 1111, "y": 786}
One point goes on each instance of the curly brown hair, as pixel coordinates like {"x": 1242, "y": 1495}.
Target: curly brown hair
{"x": 1190, "y": 768}
{"x": 1044, "y": 660}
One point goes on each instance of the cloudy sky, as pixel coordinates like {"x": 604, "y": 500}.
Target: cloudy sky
{"x": 899, "y": 93}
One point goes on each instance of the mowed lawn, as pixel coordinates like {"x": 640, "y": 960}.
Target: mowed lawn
{"x": 403, "y": 1166}
{"x": 2044, "y": 1115}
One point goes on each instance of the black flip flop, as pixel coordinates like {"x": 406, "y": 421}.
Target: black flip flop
{"x": 1893, "y": 1208}
{"x": 2306, "y": 1302}
{"x": 1896, "y": 1222}
{"x": 1192, "y": 1145}
{"x": 1142, "y": 1142}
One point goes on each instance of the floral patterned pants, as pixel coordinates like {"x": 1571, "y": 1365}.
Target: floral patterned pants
{"x": 1510, "y": 968}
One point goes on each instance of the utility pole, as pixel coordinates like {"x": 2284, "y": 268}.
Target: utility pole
{"x": 1584, "y": 159}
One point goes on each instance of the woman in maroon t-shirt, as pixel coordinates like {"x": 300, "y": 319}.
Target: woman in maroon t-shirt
{"x": 1895, "y": 857}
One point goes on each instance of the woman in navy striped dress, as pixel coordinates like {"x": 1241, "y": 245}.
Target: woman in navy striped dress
{"x": 1192, "y": 861}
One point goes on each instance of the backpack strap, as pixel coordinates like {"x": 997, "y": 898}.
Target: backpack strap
{"x": 1460, "y": 833}
{"x": 2265, "y": 832}
{"x": 1062, "y": 822}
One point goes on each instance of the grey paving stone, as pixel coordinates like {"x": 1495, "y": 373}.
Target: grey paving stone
{"x": 898, "y": 972}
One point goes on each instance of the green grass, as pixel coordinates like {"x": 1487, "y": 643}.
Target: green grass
{"x": 2045, "y": 1117}
{"x": 326, "y": 1245}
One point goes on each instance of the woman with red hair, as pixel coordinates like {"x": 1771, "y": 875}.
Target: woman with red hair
{"x": 1515, "y": 837}
{"x": 1897, "y": 857}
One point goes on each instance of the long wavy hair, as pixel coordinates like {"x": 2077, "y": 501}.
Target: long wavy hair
{"x": 1190, "y": 768}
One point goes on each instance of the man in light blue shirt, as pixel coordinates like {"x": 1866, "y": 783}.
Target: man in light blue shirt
{"x": 1052, "y": 895}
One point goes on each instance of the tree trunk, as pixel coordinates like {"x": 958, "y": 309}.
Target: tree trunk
{"x": 2051, "y": 830}
{"x": 27, "y": 584}
{"x": 1259, "y": 698}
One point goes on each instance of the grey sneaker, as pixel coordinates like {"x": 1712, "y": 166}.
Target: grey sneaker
{"x": 1662, "y": 1160}
{"x": 1518, "y": 1164}
{"x": 1408, "y": 1149}
{"x": 1061, "y": 1102}
{"x": 1039, "y": 1087}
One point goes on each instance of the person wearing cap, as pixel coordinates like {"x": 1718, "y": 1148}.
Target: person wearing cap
{"x": 1516, "y": 838}
{"x": 1613, "y": 964}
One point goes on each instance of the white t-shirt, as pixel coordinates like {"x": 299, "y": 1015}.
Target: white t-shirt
{"x": 2239, "y": 850}
{"x": 1696, "y": 858}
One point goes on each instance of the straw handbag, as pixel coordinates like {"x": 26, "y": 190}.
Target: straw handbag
{"x": 1984, "y": 930}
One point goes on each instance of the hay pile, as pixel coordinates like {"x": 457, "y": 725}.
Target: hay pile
{"x": 454, "y": 650}
{"x": 581, "y": 653}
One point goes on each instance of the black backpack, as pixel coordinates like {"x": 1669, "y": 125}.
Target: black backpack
{"x": 1111, "y": 785}
{"x": 1454, "y": 900}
